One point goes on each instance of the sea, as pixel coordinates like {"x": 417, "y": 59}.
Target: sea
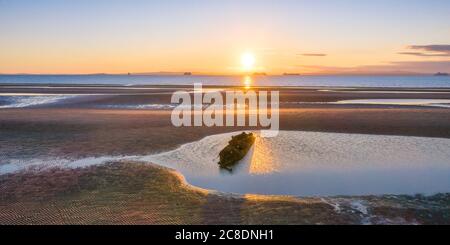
{"x": 416, "y": 81}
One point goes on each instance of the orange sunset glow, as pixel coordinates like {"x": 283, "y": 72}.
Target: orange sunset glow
{"x": 228, "y": 37}
{"x": 223, "y": 120}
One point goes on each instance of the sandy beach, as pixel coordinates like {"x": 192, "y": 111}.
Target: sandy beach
{"x": 126, "y": 192}
{"x": 203, "y": 121}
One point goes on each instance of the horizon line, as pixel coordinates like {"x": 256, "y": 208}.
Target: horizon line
{"x": 400, "y": 73}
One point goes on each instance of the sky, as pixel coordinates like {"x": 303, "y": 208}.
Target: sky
{"x": 210, "y": 37}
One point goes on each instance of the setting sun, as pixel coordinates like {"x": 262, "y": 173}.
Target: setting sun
{"x": 225, "y": 112}
{"x": 247, "y": 61}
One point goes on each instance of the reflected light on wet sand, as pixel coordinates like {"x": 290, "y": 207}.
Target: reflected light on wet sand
{"x": 262, "y": 161}
{"x": 258, "y": 198}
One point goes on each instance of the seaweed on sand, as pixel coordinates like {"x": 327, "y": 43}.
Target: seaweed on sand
{"x": 236, "y": 149}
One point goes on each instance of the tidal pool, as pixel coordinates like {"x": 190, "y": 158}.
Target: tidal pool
{"x": 318, "y": 164}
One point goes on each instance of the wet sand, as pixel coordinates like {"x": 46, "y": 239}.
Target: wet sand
{"x": 133, "y": 193}
{"x": 92, "y": 132}
{"x": 161, "y": 94}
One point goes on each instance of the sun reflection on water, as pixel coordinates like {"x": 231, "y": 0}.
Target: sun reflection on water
{"x": 247, "y": 81}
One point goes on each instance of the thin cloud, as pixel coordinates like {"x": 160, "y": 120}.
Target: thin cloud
{"x": 314, "y": 54}
{"x": 425, "y": 54}
{"x": 429, "y": 50}
{"x": 432, "y": 48}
